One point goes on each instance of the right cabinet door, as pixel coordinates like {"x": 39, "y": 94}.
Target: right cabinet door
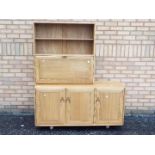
{"x": 109, "y": 107}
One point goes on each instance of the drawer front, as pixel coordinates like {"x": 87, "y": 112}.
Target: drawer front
{"x": 64, "y": 70}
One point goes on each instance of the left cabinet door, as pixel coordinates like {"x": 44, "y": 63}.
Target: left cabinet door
{"x": 50, "y": 106}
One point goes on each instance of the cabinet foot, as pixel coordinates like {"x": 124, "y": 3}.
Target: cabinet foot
{"x": 107, "y": 127}
{"x": 51, "y": 127}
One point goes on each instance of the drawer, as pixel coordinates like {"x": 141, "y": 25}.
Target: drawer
{"x": 64, "y": 69}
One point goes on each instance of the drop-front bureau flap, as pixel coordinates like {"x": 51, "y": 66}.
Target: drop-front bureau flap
{"x": 64, "y": 69}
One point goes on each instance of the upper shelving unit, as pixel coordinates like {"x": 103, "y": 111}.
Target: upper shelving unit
{"x": 64, "y": 38}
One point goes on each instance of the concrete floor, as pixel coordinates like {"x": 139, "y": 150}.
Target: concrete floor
{"x": 24, "y": 125}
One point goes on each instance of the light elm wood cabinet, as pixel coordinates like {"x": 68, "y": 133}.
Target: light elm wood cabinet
{"x": 66, "y": 93}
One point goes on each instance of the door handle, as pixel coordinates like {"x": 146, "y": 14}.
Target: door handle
{"x": 68, "y": 99}
{"x": 98, "y": 102}
{"x": 62, "y": 99}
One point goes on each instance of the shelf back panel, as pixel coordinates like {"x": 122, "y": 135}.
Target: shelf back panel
{"x": 77, "y": 47}
{"x": 48, "y": 47}
{"x": 78, "y": 31}
{"x": 64, "y": 47}
{"x": 48, "y": 31}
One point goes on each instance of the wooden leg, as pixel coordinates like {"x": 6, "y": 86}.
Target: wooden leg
{"x": 107, "y": 127}
{"x": 51, "y": 127}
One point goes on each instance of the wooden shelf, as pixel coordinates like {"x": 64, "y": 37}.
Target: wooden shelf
{"x": 64, "y": 47}
{"x": 64, "y": 55}
{"x": 70, "y": 39}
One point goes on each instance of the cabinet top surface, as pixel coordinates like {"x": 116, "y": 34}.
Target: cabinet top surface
{"x": 110, "y": 85}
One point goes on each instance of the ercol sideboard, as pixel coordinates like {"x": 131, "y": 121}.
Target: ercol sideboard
{"x": 66, "y": 92}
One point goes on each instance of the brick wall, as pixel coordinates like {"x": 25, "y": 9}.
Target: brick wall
{"x": 125, "y": 51}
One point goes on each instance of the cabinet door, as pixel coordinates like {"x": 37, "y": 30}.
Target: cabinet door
{"x": 80, "y": 106}
{"x": 64, "y": 70}
{"x": 50, "y": 107}
{"x": 109, "y": 107}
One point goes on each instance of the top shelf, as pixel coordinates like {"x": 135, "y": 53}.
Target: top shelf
{"x": 74, "y": 39}
{"x": 55, "y": 31}
{"x": 60, "y": 38}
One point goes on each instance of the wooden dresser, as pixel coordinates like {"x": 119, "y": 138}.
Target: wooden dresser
{"x": 66, "y": 93}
